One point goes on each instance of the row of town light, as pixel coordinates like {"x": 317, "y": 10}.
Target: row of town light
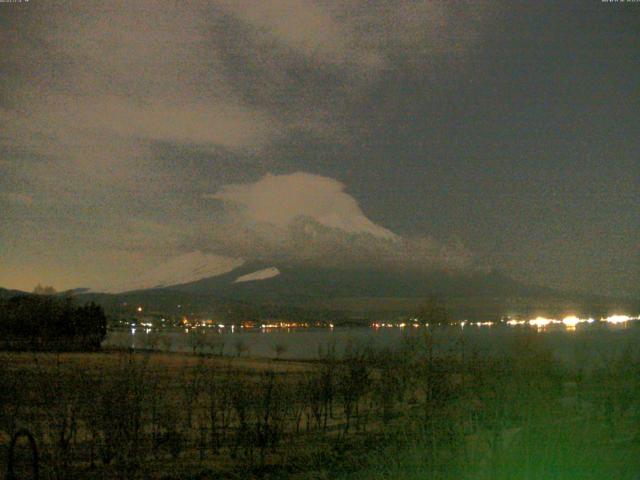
{"x": 571, "y": 322}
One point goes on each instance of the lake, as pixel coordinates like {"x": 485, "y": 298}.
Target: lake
{"x": 586, "y": 344}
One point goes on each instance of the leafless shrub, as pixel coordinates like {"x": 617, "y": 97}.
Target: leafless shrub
{"x": 140, "y": 411}
{"x": 118, "y": 415}
{"x": 270, "y": 412}
{"x": 241, "y": 398}
{"x": 219, "y": 404}
{"x": 196, "y": 341}
{"x": 192, "y": 388}
{"x": 240, "y": 347}
{"x": 352, "y": 382}
{"x": 279, "y": 349}
{"x": 151, "y": 340}
{"x": 166, "y": 342}
{"x": 11, "y": 401}
{"x": 215, "y": 343}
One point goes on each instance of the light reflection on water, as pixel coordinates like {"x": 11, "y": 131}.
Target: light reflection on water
{"x": 574, "y": 342}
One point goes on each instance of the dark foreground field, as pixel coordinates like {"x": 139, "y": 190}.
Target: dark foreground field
{"x": 401, "y": 414}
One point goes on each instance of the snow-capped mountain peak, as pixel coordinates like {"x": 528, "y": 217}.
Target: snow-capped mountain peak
{"x": 258, "y": 275}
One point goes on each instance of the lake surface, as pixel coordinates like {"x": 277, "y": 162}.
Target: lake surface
{"x": 588, "y": 344}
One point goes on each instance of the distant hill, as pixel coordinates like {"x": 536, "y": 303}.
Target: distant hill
{"x": 301, "y": 283}
{"x": 257, "y": 290}
{"x": 7, "y": 293}
{"x": 263, "y": 289}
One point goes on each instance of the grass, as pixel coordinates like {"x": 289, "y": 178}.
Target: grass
{"x": 98, "y": 361}
{"x": 400, "y": 414}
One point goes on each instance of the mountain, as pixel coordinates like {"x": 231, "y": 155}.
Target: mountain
{"x": 260, "y": 290}
{"x": 315, "y": 282}
{"x": 367, "y": 292}
{"x": 207, "y": 283}
{"x": 263, "y": 274}
{"x": 7, "y": 293}
{"x": 184, "y": 268}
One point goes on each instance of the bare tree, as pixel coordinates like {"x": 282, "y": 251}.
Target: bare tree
{"x": 240, "y": 347}
{"x": 279, "y": 349}
{"x": 167, "y": 342}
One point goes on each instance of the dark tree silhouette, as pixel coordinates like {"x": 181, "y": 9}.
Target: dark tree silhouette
{"x": 48, "y": 322}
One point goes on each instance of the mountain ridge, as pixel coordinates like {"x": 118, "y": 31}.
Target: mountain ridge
{"x": 362, "y": 292}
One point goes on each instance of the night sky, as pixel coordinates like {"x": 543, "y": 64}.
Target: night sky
{"x": 464, "y": 135}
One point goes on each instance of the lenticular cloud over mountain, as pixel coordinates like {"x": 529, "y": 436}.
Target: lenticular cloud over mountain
{"x": 309, "y": 219}
{"x": 298, "y": 219}
{"x": 280, "y": 199}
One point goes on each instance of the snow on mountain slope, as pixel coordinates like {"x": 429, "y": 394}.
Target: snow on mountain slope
{"x": 177, "y": 270}
{"x": 259, "y": 275}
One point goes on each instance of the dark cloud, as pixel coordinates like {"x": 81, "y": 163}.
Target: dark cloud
{"x": 486, "y": 121}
